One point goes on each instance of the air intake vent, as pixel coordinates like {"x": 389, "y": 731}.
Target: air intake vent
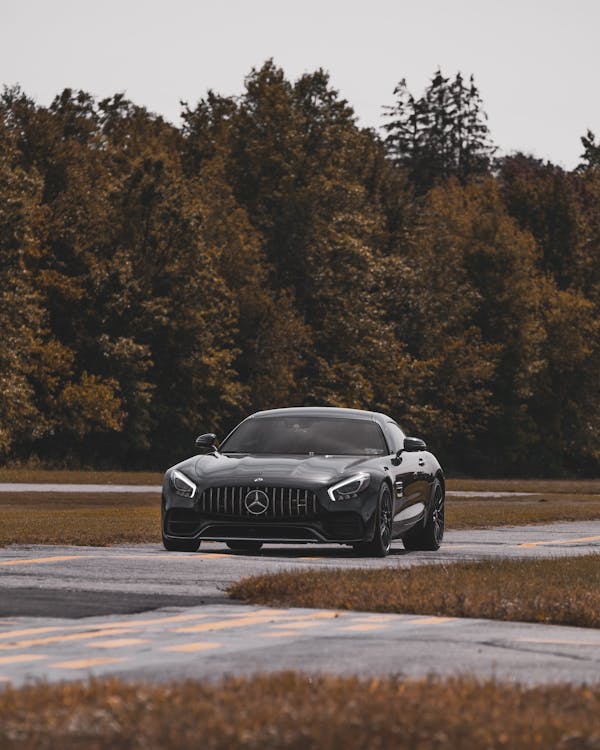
{"x": 280, "y": 502}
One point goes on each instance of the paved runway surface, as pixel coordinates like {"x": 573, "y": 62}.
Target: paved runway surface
{"x": 209, "y": 642}
{"x": 76, "y": 488}
{"x": 66, "y": 612}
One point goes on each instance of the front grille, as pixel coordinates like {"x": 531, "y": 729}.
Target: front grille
{"x": 283, "y": 502}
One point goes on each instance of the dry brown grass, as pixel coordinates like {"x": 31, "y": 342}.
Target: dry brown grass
{"x": 297, "y": 712}
{"x": 565, "y": 486}
{"x": 104, "y": 519}
{"x": 79, "y": 477}
{"x": 473, "y": 513}
{"x": 80, "y": 519}
{"x": 563, "y": 591}
{"x": 113, "y": 518}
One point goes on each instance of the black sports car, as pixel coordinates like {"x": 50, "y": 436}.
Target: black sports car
{"x": 311, "y": 474}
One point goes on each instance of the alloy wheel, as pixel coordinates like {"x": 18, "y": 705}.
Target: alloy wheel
{"x": 438, "y": 514}
{"x": 385, "y": 519}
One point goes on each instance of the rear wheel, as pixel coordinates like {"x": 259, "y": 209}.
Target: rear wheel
{"x": 429, "y": 537}
{"x": 244, "y": 546}
{"x": 381, "y": 543}
{"x": 181, "y": 545}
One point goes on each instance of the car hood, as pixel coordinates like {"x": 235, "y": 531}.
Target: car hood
{"x": 218, "y": 469}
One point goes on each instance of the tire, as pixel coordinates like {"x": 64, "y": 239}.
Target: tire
{"x": 245, "y": 546}
{"x": 429, "y": 536}
{"x": 181, "y": 545}
{"x": 381, "y": 543}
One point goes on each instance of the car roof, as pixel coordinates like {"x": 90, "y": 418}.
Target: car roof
{"x": 324, "y": 411}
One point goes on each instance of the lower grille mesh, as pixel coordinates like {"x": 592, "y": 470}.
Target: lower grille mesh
{"x": 281, "y": 502}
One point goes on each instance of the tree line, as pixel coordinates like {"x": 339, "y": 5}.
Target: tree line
{"x": 160, "y": 281}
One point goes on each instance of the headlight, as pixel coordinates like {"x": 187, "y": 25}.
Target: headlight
{"x": 349, "y": 488}
{"x": 181, "y": 484}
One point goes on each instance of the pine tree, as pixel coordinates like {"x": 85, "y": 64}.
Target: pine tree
{"x": 441, "y": 135}
{"x": 591, "y": 152}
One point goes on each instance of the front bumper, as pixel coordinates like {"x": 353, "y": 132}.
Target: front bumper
{"x": 294, "y": 515}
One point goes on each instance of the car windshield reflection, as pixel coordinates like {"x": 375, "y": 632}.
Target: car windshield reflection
{"x": 303, "y": 436}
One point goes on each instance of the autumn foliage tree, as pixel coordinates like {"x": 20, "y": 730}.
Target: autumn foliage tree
{"x": 160, "y": 281}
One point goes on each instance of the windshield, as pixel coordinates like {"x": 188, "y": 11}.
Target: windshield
{"x": 307, "y": 435}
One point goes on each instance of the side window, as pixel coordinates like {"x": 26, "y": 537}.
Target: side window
{"x": 395, "y": 436}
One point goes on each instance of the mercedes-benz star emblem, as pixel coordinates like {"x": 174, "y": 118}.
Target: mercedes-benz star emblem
{"x": 256, "y": 502}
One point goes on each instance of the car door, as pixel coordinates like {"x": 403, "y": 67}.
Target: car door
{"x": 409, "y": 477}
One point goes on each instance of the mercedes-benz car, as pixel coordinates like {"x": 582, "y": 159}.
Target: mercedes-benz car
{"x": 312, "y": 474}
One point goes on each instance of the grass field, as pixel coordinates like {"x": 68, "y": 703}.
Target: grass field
{"x": 552, "y": 486}
{"x": 562, "y": 591}
{"x": 102, "y": 519}
{"x": 485, "y": 512}
{"x": 298, "y": 712}
{"x": 64, "y": 476}
{"x": 80, "y": 519}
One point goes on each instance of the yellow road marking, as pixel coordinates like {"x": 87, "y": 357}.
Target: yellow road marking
{"x": 213, "y": 555}
{"x": 29, "y": 631}
{"x": 234, "y": 622}
{"x": 15, "y": 658}
{"x": 430, "y": 620}
{"x": 148, "y": 555}
{"x": 117, "y": 642}
{"x": 562, "y": 541}
{"x": 42, "y": 560}
{"x": 155, "y": 620}
{"x": 257, "y": 618}
{"x": 280, "y": 634}
{"x": 313, "y": 616}
{"x": 109, "y": 626}
{"x": 170, "y": 556}
{"x": 192, "y": 647}
{"x": 68, "y": 637}
{"x": 366, "y": 627}
{"x": 64, "y": 558}
{"x": 85, "y": 663}
{"x": 563, "y": 641}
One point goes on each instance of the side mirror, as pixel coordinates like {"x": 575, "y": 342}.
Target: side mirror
{"x": 413, "y": 444}
{"x": 207, "y": 442}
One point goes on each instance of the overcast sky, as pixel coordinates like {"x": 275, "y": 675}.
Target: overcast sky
{"x": 536, "y": 62}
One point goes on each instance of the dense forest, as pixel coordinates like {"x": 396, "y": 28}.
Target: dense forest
{"x": 161, "y": 281}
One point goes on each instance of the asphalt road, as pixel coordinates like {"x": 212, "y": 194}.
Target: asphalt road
{"x": 139, "y": 611}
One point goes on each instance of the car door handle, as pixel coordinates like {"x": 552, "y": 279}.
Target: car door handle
{"x": 421, "y": 462}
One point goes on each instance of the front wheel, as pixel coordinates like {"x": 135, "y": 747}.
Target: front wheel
{"x": 429, "y": 537}
{"x": 180, "y": 545}
{"x": 381, "y": 543}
